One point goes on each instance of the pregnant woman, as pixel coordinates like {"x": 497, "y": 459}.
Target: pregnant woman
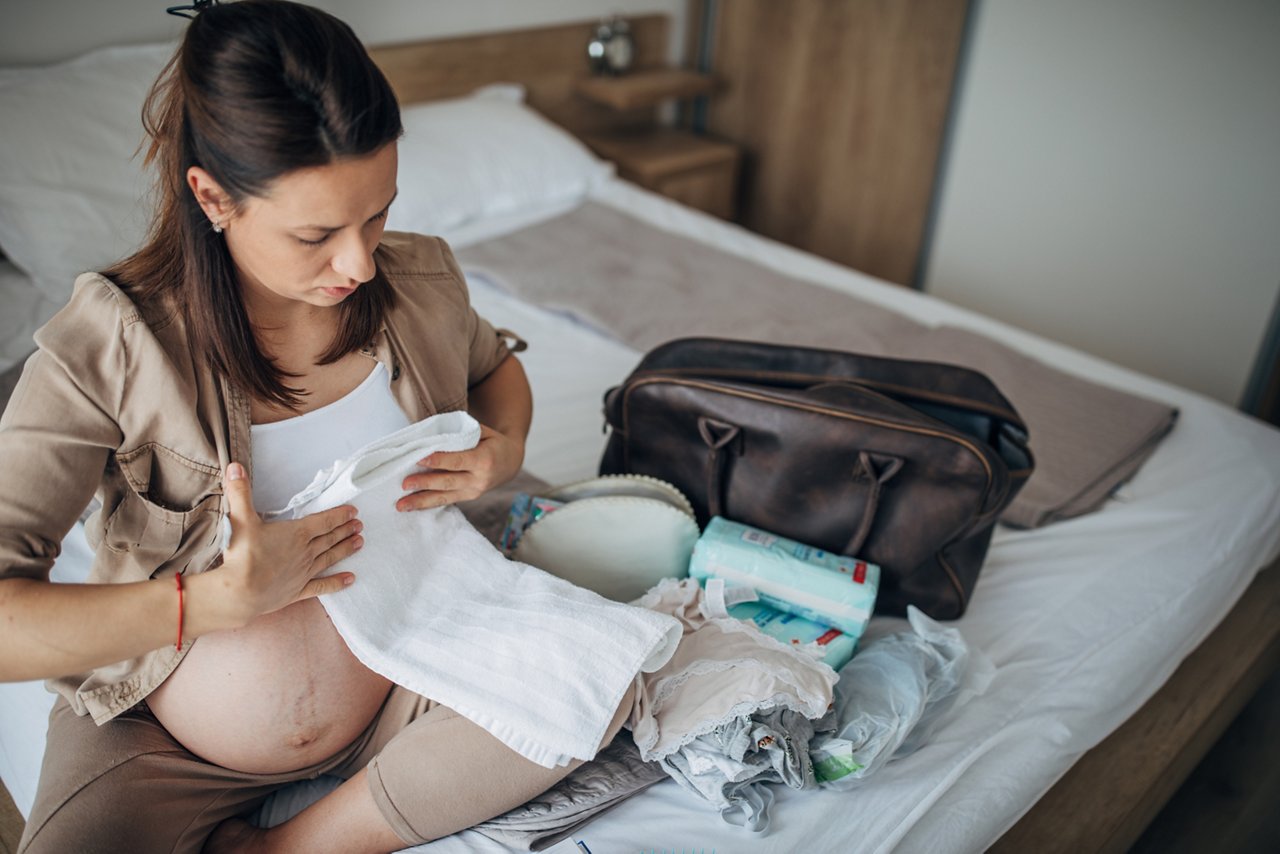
{"x": 266, "y": 328}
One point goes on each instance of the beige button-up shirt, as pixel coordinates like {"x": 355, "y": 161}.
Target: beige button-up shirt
{"x": 115, "y": 402}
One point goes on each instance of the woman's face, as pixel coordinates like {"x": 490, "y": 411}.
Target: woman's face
{"x": 310, "y": 238}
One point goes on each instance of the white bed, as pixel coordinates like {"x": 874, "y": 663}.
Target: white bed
{"x": 1084, "y": 619}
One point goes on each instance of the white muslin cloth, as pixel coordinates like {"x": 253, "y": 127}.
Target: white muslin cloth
{"x": 538, "y": 662}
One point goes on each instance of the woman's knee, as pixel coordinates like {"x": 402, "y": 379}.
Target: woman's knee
{"x": 619, "y": 717}
{"x": 112, "y": 812}
{"x": 444, "y": 773}
{"x": 140, "y": 804}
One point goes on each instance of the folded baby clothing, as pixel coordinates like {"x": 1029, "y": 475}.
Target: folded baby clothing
{"x": 723, "y": 669}
{"x": 538, "y": 662}
{"x": 732, "y": 765}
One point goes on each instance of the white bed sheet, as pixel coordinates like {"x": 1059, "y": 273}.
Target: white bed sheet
{"x": 1085, "y": 619}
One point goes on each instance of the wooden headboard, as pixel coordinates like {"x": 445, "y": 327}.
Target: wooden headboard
{"x": 546, "y": 60}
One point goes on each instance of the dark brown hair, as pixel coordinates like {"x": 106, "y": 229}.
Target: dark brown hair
{"x": 257, "y": 89}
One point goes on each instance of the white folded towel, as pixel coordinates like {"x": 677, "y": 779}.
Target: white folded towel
{"x": 538, "y": 662}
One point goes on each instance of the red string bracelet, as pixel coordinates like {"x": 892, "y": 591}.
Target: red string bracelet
{"x": 178, "y": 579}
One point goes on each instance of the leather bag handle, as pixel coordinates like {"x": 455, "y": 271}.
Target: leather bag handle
{"x": 877, "y": 470}
{"x": 717, "y": 435}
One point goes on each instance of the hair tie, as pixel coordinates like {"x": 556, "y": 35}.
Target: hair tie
{"x": 191, "y": 11}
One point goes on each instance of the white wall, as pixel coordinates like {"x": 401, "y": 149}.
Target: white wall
{"x": 35, "y": 32}
{"x": 1114, "y": 180}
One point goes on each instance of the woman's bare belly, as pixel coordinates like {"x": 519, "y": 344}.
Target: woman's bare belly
{"x": 279, "y": 694}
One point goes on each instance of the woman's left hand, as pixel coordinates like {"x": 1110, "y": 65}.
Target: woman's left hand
{"x": 463, "y": 475}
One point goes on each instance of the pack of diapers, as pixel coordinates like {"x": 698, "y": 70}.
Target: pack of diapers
{"x": 829, "y": 589}
{"x": 831, "y": 645}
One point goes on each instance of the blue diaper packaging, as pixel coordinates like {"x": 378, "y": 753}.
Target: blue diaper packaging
{"x": 835, "y": 646}
{"x": 829, "y": 589}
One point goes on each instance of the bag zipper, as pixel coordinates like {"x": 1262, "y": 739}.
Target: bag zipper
{"x": 907, "y": 391}
{"x": 822, "y": 410}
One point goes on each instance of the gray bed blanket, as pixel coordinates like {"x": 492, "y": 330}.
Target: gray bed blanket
{"x": 644, "y": 286}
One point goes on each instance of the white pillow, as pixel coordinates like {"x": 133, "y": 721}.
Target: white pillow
{"x": 73, "y": 195}
{"x": 487, "y": 154}
{"x": 71, "y": 189}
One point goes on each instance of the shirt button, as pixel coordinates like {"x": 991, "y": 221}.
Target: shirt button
{"x": 395, "y": 373}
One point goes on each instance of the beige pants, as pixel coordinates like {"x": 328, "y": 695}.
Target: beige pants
{"x": 128, "y": 786}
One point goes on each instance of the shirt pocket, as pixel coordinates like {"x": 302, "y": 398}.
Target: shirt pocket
{"x": 164, "y": 495}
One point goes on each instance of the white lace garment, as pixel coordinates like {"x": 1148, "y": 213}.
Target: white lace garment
{"x": 723, "y": 668}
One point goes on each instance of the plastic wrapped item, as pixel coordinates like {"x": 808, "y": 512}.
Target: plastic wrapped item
{"x": 892, "y": 696}
{"x": 525, "y": 510}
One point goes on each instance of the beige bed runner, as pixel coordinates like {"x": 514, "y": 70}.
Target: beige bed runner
{"x": 645, "y": 286}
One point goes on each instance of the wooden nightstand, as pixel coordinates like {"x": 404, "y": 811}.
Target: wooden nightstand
{"x": 646, "y": 87}
{"x": 695, "y": 170}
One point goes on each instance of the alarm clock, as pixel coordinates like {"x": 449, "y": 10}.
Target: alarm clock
{"x": 620, "y": 50}
{"x": 611, "y": 49}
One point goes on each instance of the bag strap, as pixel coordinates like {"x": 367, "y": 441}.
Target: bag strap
{"x": 716, "y": 434}
{"x": 877, "y": 470}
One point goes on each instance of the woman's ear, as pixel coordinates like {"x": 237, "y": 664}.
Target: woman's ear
{"x": 213, "y": 200}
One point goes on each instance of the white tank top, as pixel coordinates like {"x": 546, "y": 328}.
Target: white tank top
{"x": 287, "y": 454}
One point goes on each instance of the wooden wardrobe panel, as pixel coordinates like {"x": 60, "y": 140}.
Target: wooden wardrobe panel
{"x": 840, "y": 106}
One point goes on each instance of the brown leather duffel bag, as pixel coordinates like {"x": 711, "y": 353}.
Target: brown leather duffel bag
{"x": 904, "y": 464}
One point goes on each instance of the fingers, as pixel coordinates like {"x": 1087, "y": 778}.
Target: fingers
{"x": 439, "y": 488}
{"x": 438, "y": 481}
{"x": 428, "y": 499}
{"x": 342, "y": 549}
{"x": 461, "y": 475}
{"x": 239, "y": 495}
{"x": 329, "y": 539}
{"x": 454, "y": 460}
{"x": 319, "y": 586}
{"x": 326, "y": 521}
{"x": 328, "y": 584}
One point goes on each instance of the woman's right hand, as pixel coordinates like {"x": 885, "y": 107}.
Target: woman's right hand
{"x": 273, "y": 564}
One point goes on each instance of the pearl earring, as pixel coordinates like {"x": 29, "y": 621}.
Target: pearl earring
{"x": 217, "y": 228}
